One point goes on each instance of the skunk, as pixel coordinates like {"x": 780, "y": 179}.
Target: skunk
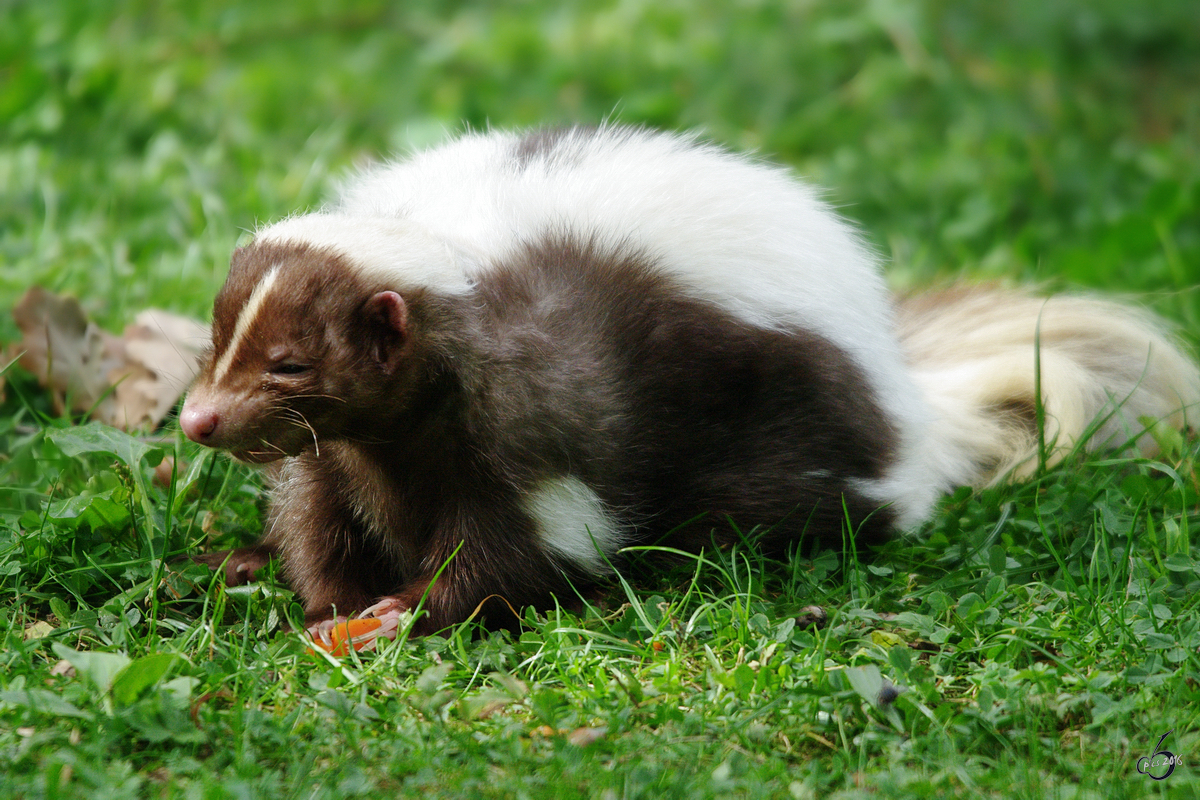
{"x": 490, "y": 367}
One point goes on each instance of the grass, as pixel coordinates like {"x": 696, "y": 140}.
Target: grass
{"x": 1046, "y": 635}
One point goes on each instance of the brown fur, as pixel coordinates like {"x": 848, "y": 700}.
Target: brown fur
{"x": 411, "y": 451}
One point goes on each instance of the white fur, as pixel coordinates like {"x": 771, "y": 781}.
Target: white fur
{"x": 391, "y": 248}
{"x": 573, "y": 525}
{"x": 749, "y": 237}
{"x": 739, "y": 233}
{"x": 1104, "y": 368}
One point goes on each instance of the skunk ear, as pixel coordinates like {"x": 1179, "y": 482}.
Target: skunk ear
{"x": 388, "y": 314}
{"x": 391, "y": 310}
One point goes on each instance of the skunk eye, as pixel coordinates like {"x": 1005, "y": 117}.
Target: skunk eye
{"x": 288, "y": 368}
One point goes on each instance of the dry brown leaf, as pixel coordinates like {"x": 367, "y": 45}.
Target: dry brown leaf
{"x": 38, "y": 630}
{"x": 166, "y": 471}
{"x": 162, "y": 355}
{"x": 63, "y": 667}
{"x": 67, "y": 353}
{"x": 150, "y": 366}
{"x": 581, "y": 737}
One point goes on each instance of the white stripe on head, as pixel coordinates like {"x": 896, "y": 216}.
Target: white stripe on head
{"x": 245, "y": 320}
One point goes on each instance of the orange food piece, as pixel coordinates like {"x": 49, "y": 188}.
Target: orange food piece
{"x": 344, "y": 633}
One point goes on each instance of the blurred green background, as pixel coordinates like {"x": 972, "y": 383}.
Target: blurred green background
{"x": 1029, "y": 140}
{"x": 1052, "y": 626}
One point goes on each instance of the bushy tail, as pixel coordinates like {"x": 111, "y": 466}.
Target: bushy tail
{"x": 1104, "y": 367}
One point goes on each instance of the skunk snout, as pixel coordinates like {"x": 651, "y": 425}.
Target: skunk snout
{"x": 200, "y": 424}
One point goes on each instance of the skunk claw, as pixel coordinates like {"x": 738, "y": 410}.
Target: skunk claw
{"x": 363, "y": 631}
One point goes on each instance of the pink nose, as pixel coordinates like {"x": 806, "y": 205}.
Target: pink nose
{"x": 198, "y": 423}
